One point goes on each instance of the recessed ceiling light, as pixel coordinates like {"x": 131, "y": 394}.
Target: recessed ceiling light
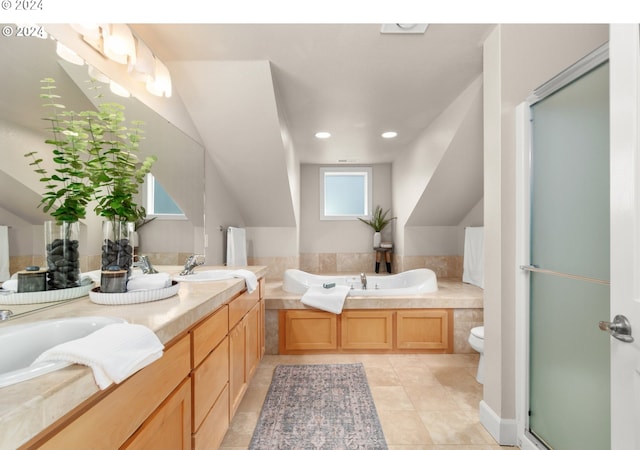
{"x": 389, "y": 134}
{"x": 404, "y": 28}
{"x": 323, "y": 135}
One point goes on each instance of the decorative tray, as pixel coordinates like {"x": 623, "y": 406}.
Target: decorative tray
{"x": 133, "y": 297}
{"x": 56, "y": 295}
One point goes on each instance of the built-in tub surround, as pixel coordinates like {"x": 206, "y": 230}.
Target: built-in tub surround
{"x": 465, "y": 300}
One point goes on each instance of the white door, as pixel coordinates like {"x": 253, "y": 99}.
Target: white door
{"x": 624, "y": 54}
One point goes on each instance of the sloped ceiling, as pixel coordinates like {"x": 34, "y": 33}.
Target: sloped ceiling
{"x": 457, "y": 184}
{"x": 345, "y": 78}
{"x": 234, "y": 108}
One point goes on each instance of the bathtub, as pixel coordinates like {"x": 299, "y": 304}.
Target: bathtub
{"x": 410, "y": 282}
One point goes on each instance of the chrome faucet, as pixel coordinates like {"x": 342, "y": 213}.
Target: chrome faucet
{"x": 144, "y": 263}
{"x": 191, "y": 263}
{"x": 363, "y": 280}
{"x": 5, "y": 314}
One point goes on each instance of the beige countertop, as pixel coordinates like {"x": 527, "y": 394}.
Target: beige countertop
{"x": 451, "y": 293}
{"x": 29, "y": 407}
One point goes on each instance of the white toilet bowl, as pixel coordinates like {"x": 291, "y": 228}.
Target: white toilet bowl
{"x": 476, "y": 340}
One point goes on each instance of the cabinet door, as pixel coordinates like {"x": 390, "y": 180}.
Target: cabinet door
{"x": 425, "y": 329}
{"x": 367, "y": 330}
{"x": 252, "y": 324}
{"x": 308, "y": 330}
{"x": 237, "y": 365}
{"x": 169, "y": 426}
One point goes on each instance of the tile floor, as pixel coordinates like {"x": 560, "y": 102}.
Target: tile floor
{"x": 425, "y": 402}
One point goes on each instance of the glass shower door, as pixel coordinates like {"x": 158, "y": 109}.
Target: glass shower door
{"x": 569, "y": 396}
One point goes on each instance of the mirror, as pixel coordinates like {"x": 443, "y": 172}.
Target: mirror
{"x": 179, "y": 168}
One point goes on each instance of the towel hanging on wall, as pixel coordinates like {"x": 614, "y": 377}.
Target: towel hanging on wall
{"x": 236, "y": 247}
{"x": 473, "y": 263}
{"x": 4, "y": 253}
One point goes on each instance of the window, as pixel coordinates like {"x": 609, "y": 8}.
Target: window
{"x": 159, "y": 202}
{"x": 345, "y": 192}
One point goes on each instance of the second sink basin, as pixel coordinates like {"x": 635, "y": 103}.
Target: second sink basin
{"x": 22, "y": 344}
{"x": 207, "y": 275}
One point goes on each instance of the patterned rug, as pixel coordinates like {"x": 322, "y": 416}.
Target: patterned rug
{"x": 318, "y": 406}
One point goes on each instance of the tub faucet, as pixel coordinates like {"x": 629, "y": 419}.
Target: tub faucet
{"x": 363, "y": 280}
{"x": 191, "y": 263}
{"x": 144, "y": 263}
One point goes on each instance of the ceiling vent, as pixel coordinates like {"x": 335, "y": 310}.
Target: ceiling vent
{"x": 404, "y": 28}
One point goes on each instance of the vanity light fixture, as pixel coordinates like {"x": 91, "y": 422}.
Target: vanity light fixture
{"x": 323, "y": 135}
{"x": 118, "y": 43}
{"x": 69, "y": 55}
{"x": 389, "y": 134}
{"x": 118, "y": 90}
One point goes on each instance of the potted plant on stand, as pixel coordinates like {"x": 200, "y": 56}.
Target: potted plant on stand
{"x": 378, "y": 222}
{"x": 67, "y": 191}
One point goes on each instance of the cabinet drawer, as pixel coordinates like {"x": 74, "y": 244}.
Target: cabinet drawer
{"x": 209, "y": 379}
{"x": 214, "y": 427}
{"x": 241, "y": 305}
{"x": 118, "y": 415}
{"x": 209, "y": 333}
{"x": 169, "y": 426}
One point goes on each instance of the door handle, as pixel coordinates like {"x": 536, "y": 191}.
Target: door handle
{"x": 620, "y": 328}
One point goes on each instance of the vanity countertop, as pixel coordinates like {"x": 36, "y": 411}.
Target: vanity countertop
{"x": 29, "y": 407}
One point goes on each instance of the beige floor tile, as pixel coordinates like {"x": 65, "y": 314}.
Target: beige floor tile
{"x": 431, "y": 398}
{"x": 241, "y": 429}
{"x": 253, "y": 398}
{"x": 467, "y": 397}
{"x": 455, "y": 377}
{"x": 454, "y": 427}
{"x": 403, "y": 428}
{"x": 382, "y": 376}
{"x": 419, "y": 375}
{"x": 391, "y": 398}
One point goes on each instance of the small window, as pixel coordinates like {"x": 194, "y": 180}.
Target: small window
{"x": 159, "y": 202}
{"x": 345, "y": 192}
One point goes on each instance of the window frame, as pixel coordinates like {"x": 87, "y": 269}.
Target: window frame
{"x": 367, "y": 171}
{"x": 149, "y": 201}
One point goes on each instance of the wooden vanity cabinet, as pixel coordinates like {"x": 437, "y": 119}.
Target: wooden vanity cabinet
{"x": 367, "y": 330}
{"x": 186, "y": 399}
{"x": 246, "y": 339}
{"x": 158, "y": 394}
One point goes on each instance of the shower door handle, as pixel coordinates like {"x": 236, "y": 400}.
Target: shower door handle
{"x": 620, "y": 328}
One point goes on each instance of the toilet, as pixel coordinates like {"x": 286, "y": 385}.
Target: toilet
{"x": 476, "y": 340}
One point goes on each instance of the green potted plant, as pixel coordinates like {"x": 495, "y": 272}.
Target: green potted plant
{"x": 68, "y": 189}
{"x": 378, "y": 222}
{"x": 117, "y": 175}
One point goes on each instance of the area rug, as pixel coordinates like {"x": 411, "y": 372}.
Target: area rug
{"x": 318, "y": 406}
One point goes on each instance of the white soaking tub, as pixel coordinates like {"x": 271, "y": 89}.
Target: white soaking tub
{"x": 410, "y": 282}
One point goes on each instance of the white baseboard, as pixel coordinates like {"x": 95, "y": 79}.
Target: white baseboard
{"x": 504, "y": 431}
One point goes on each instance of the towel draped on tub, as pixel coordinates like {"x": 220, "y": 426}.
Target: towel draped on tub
{"x": 331, "y": 300}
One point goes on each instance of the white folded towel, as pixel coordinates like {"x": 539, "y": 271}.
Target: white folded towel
{"x": 250, "y": 278}
{"x": 10, "y": 285}
{"x": 331, "y": 300}
{"x": 114, "y": 352}
{"x": 149, "y": 281}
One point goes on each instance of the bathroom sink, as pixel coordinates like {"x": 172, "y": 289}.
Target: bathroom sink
{"x": 22, "y": 344}
{"x": 207, "y": 275}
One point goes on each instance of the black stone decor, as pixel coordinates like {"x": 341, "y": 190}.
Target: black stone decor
{"x": 63, "y": 260}
{"x": 117, "y": 253}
